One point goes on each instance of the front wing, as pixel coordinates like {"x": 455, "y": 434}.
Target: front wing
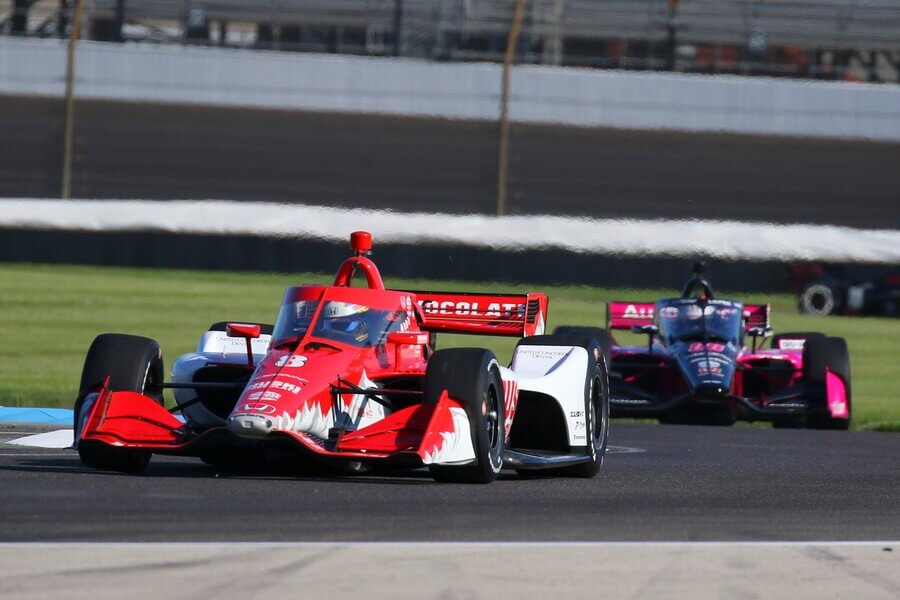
{"x": 422, "y": 434}
{"x": 628, "y": 398}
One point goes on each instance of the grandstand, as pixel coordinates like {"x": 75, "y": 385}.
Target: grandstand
{"x": 822, "y": 39}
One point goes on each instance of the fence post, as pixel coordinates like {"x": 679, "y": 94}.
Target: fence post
{"x": 69, "y": 124}
{"x": 503, "y": 146}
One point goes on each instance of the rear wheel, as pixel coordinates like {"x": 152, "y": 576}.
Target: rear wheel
{"x": 796, "y": 335}
{"x": 819, "y": 354}
{"x": 471, "y": 376}
{"x": 133, "y": 364}
{"x": 603, "y": 337}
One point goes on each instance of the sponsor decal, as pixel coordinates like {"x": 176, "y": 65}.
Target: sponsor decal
{"x": 543, "y": 353}
{"x": 291, "y": 388}
{"x": 668, "y": 312}
{"x": 709, "y": 367}
{"x": 711, "y": 347}
{"x": 293, "y": 361}
{"x": 576, "y": 413}
{"x": 693, "y": 312}
{"x": 474, "y": 309}
{"x": 256, "y": 407}
{"x": 791, "y": 344}
{"x": 638, "y": 312}
{"x": 273, "y": 396}
{"x": 301, "y": 380}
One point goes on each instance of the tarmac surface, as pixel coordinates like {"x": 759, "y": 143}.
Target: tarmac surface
{"x": 659, "y": 484}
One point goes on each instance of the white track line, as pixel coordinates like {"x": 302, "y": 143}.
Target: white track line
{"x": 61, "y": 438}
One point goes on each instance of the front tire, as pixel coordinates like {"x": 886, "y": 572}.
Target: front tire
{"x": 472, "y": 377}
{"x": 133, "y": 364}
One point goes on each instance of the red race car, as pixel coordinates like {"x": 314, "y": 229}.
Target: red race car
{"x": 348, "y": 376}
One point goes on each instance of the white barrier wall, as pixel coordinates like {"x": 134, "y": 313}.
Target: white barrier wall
{"x": 566, "y": 96}
{"x": 616, "y": 237}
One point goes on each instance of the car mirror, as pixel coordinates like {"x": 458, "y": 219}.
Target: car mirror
{"x": 759, "y": 332}
{"x": 247, "y": 331}
{"x": 649, "y": 331}
{"x": 244, "y": 330}
{"x": 765, "y": 332}
{"x": 645, "y": 329}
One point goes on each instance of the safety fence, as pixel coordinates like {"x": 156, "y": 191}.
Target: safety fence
{"x": 830, "y": 39}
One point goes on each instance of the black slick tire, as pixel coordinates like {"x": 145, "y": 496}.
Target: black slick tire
{"x": 603, "y": 337}
{"x": 133, "y": 364}
{"x": 795, "y": 335}
{"x": 820, "y": 354}
{"x": 472, "y": 377}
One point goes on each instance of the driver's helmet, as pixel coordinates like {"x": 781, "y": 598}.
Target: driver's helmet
{"x": 348, "y": 319}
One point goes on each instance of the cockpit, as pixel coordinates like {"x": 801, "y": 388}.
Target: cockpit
{"x": 337, "y": 320}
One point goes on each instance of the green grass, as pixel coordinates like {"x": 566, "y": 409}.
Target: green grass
{"x": 50, "y": 314}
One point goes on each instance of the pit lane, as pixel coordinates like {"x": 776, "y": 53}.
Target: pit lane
{"x": 687, "y": 484}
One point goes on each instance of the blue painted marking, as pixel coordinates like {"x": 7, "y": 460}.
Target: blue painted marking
{"x": 42, "y": 416}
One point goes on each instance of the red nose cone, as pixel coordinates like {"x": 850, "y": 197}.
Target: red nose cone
{"x": 361, "y": 241}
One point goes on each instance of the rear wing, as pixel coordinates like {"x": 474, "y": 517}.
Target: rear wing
{"x": 756, "y": 315}
{"x": 622, "y": 315}
{"x": 518, "y": 315}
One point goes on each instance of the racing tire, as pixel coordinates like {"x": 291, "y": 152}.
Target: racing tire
{"x": 264, "y": 329}
{"x": 603, "y": 337}
{"x": 472, "y": 377}
{"x": 821, "y": 297}
{"x": 133, "y": 364}
{"x": 794, "y": 335}
{"x": 596, "y": 398}
{"x": 818, "y": 354}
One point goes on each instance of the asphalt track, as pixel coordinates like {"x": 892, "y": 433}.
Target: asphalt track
{"x": 686, "y": 484}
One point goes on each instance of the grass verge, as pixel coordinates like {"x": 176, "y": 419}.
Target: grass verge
{"x": 49, "y": 314}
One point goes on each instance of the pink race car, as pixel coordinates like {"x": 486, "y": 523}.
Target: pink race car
{"x": 697, "y": 369}
{"x": 349, "y": 377}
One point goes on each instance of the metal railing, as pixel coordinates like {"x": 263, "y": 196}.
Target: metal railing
{"x": 804, "y": 38}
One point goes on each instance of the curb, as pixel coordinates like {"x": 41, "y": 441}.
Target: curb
{"x": 37, "y": 416}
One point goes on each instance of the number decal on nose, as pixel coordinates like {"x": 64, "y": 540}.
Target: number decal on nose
{"x": 293, "y": 361}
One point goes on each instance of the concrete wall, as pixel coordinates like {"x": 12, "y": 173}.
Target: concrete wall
{"x": 511, "y": 234}
{"x": 468, "y": 91}
{"x": 144, "y": 150}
